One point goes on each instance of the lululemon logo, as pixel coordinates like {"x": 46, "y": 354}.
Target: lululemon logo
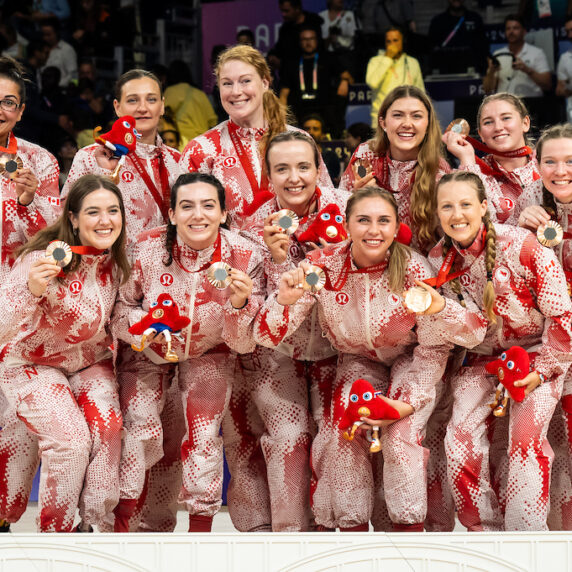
{"x": 127, "y": 176}
{"x": 507, "y": 204}
{"x": 229, "y": 162}
{"x": 295, "y": 251}
{"x": 342, "y": 298}
{"x": 502, "y": 274}
{"x": 464, "y": 279}
{"x": 166, "y": 279}
{"x": 393, "y": 299}
{"x": 75, "y": 287}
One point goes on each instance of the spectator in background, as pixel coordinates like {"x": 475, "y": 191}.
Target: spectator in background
{"x": 40, "y": 11}
{"x": 171, "y": 138}
{"x": 377, "y": 16}
{"x": 37, "y": 56}
{"x": 62, "y": 55}
{"x": 458, "y": 39}
{"x": 67, "y": 149}
{"x": 338, "y": 27}
{"x": 312, "y": 83}
{"x": 391, "y": 68}
{"x": 92, "y": 28}
{"x": 87, "y": 70}
{"x": 14, "y": 43}
{"x": 519, "y": 68}
{"x": 564, "y": 72}
{"x": 191, "y": 107}
{"x": 356, "y": 134}
{"x": 287, "y": 47}
{"x": 245, "y": 37}
{"x": 314, "y": 125}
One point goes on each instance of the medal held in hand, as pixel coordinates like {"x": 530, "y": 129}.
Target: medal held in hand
{"x": 9, "y": 165}
{"x": 417, "y": 299}
{"x": 288, "y": 221}
{"x": 218, "y": 274}
{"x": 60, "y": 252}
{"x": 550, "y": 234}
{"x": 460, "y": 126}
{"x": 315, "y": 279}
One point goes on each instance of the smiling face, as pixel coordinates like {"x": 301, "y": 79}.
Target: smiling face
{"x": 501, "y": 126}
{"x": 241, "y": 92}
{"x": 293, "y": 173}
{"x": 99, "y": 220}
{"x": 9, "y": 91}
{"x": 142, "y": 99}
{"x": 556, "y": 168}
{"x": 372, "y": 225}
{"x": 460, "y": 211}
{"x": 405, "y": 125}
{"x": 197, "y": 215}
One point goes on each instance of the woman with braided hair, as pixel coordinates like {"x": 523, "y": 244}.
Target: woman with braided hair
{"x": 521, "y": 288}
{"x": 508, "y": 168}
{"x": 404, "y": 158}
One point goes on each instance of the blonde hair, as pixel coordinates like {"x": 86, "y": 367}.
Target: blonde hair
{"x": 399, "y": 253}
{"x": 562, "y": 131}
{"x": 514, "y": 100}
{"x": 275, "y": 112}
{"x": 490, "y": 245}
{"x": 423, "y": 202}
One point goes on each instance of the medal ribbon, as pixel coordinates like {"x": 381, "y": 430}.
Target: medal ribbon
{"x": 12, "y": 147}
{"x": 314, "y": 75}
{"x": 216, "y": 256}
{"x": 520, "y": 152}
{"x": 381, "y": 173}
{"x": 160, "y": 196}
{"x": 86, "y": 250}
{"x": 444, "y": 275}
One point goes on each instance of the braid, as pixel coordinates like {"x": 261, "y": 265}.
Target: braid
{"x": 455, "y": 283}
{"x": 548, "y": 202}
{"x": 170, "y": 237}
{"x": 490, "y": 257}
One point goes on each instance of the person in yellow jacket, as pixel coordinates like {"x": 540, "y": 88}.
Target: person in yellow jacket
{"x": 391, "y": 68}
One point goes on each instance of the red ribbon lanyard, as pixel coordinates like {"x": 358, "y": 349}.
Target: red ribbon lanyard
{"x": 216, "y": 256}
{"x": 245, "y": 161}
{"x": 444, "y": 275}
{"x": 12, "y": 148}
{"x": 520, "y": 152}
{"x": 381, "y": 173}
{"x": 346, "y": 271}
{"x": 160, "y": 196}
{"x": 86, "y": 250}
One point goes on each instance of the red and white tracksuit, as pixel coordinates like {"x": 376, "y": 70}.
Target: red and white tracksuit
{"x": 505, "y": 189}
{"x": 534, "y": 312}
{"x": 284, "y": 388}
{"x": 214, "y": 152}
{"x": 379, "y": 341}
{"x": 205, "y": 368}
{"x": 17, "y": 225}
{"x": 56, "y": 372}
{"x": 401, "y": 178}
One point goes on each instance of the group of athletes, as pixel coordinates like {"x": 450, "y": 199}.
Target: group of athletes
{"x": 264, "y": 365}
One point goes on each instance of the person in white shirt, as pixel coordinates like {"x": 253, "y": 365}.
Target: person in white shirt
{"x": 338, "y": 26}
{"x": 62, "y": 55}
{"x": 519, "y": 68}
{"x": 564, "y": 72}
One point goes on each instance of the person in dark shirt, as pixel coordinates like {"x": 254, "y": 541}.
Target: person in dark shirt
{"x": 314, "y": 125}
{"x": 458, "y": 39}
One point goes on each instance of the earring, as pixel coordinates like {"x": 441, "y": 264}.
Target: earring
{"x": 75, "y": 230}
{"x": 395, "y": 235}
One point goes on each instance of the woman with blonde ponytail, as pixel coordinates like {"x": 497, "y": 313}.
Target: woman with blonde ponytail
{"x": 520, "y": 286}
{"x": 233, "y": 151}
{"x": 404, "y": 158}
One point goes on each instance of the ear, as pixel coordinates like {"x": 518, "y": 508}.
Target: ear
{"x": 223, "y": 217}
{"x": 116, "y": 107}
{"x": 73, "y": 219}
{"x": 162, "y": 106}
{"x": 22, "y": 107}
{"x": 171, "y": 217}
{"x": 484, "y": 206}
{"x": 526, "y": 124}
{"x": 265, "y": 84}
{"x": 381, "y": 121}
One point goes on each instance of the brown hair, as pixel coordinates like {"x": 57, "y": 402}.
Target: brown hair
{"x": 490, "y": 246}
{"x": 423, "y": 204}
{"x": 562, "y": 131}
{"x": 275, "y": 112}
{"x": 13, "y": 70}
{"x": 292, "y": 136}
{"x": 135, "y": 74}
{"x": 62, "y": 229}
{"x": 514, "y": 100}
{"x": 399, "y": 253}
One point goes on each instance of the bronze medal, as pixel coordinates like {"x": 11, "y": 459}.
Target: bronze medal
{"x": 60, "y": 252}
{"x": 288, "y": 221}
{"x": 551, "y": 234}
{"x": 315, "y": 278}
{"x": 460, "y": 126}
{"x": 417, "y": 299}
{"x": 218, "y": 274}
{"x": 361, "y": 171}
{"x": 9, "y": 165}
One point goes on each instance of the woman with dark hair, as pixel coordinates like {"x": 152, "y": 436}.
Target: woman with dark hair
{"x": 178, "y": 260}
{"x": 56, "y": 369}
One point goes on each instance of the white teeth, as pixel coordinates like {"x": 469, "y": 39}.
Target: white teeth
{"x": 373, "y": 242}
{"x": 198, "y": 226}
{"x": 462, "y": 225}
{"x": 103, "y": 231}
{"x": 567, "y": 182}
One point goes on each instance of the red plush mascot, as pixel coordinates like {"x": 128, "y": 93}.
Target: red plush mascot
{"x": 513, "y": 365}
{"x": 365, "y": 402}
{"x": 163, "y": 317}
{"x": 329, "y": 225}
{"x": 122, "y": 139}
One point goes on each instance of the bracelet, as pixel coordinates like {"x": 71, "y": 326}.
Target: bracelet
{"x": 541, "y": 376}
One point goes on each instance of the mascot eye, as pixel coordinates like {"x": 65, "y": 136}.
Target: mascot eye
{"x": 510, "y": 364}
{"x": 127, "y": 125}
{"x": 353, "y": 398}
{"x": 339, "y": 219}
{"x": 367, "y": 396}
{"x": 325, "y": 216}
{"x": 503, "y": 356}
{"x": 153, "y": 304}
{"x": 167, "y": 302}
